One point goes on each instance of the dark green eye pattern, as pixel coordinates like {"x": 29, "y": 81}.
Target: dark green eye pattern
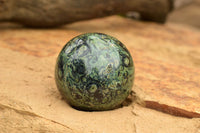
{"x": 94, "y": 71}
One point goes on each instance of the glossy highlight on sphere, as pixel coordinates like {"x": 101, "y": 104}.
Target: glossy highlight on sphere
{"x": 94, "y": 71}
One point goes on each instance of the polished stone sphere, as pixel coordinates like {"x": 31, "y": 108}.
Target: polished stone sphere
{"x": 94, "y": 71}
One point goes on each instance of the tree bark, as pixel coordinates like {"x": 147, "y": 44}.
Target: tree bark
{"x": 49, "y": 13}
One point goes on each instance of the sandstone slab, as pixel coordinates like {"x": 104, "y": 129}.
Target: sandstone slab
{"x": 167, "y": 78}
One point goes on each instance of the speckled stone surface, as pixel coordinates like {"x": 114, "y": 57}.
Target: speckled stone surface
{"x": 94, "y": 71}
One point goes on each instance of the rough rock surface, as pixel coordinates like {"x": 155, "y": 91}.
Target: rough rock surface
{"x": 167, "y": 79}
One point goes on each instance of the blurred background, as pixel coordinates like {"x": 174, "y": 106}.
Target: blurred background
{"x": 188, "y": 14}
{"x": 45, "y": 14}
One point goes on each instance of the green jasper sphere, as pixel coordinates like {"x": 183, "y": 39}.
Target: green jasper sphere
{"x": 94, "y": 71}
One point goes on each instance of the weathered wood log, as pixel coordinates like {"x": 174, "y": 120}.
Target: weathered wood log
{"x": 42, "y": 13}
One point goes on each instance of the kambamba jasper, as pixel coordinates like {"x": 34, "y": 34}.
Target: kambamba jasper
{"x": 94, "y": 71}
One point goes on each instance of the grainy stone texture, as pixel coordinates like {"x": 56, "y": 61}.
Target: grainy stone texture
{"x": 165, "y": 56}
{"x": 18, "y": 117}
{"x": 94, "y": 71}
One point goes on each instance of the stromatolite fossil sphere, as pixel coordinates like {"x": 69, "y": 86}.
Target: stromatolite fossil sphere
{"x": 94, "y": 71}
